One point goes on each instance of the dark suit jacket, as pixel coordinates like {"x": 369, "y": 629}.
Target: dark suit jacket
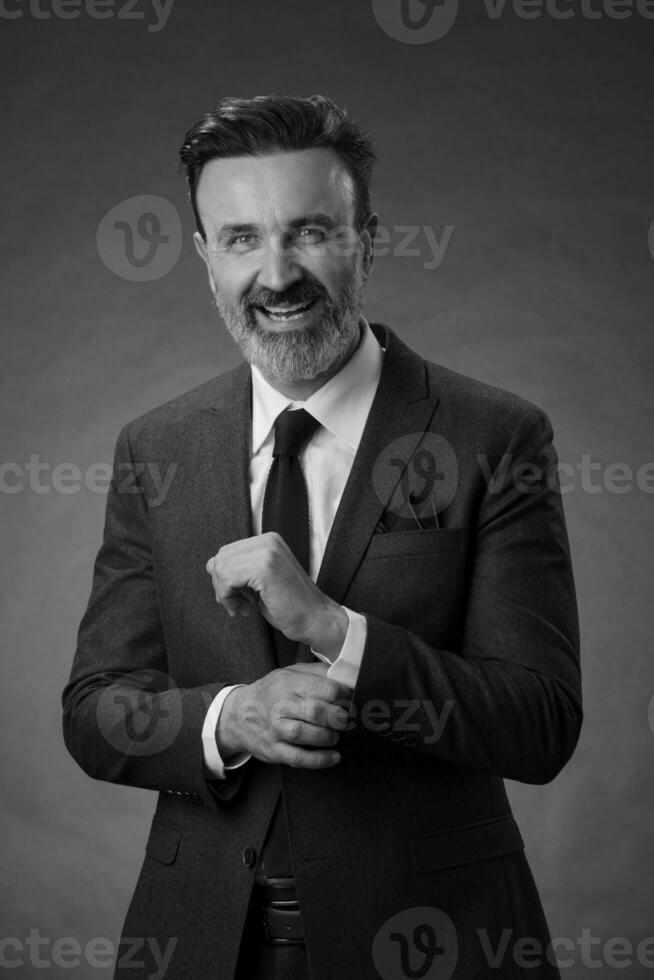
{"x": 474, "y": 620}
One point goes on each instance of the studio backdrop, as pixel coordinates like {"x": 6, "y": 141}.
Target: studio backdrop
{"x": 516, "y": 245}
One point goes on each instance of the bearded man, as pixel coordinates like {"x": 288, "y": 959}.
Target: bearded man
{"x": 350, "y": 618}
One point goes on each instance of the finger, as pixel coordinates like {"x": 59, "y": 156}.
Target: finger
{"x": 323, "y": 713}
{"x": 225, "y": 596}
{"x": 297, "y": 732}
{"x": 236, "y": 600}
{"x": 234, "y": 603}
{"x": 329, "y": 690}
{"x": 231, "y": 580}
{"x": 326, "y": 689}
{"x": 297, "y": 758}
{"x": 229, "y": 603}
{"x": 248, "y": 601}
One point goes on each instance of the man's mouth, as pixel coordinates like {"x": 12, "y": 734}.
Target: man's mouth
{"x": 284, "y": 313}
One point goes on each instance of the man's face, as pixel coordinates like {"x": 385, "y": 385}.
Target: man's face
{"x": 286, "y": 263}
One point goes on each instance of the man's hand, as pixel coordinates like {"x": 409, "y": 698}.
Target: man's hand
{"x": 285, "y": 710}
{"x": 263, "y": 571}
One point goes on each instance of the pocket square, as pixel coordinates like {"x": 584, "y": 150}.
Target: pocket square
{"x": 391, "y": 521}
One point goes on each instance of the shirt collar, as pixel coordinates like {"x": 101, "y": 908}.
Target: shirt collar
{"x": 341, "y": 405}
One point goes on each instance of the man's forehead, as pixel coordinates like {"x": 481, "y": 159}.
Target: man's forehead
{"x": 246, "y": 187}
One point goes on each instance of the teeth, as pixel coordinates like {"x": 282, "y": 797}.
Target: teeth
{"x": 287, "y": 312}
{"x": 285, "y": 309}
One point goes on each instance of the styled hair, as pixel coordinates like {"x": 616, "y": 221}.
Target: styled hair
{"x": 279, "y": 123}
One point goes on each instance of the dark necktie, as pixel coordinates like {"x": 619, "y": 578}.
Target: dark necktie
{"x": 286, "y": 510}
{"x": 286, "y": 502}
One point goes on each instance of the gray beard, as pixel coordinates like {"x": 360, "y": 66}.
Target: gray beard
{"x": 296, "y": 355}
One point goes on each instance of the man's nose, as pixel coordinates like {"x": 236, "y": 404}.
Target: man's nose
{"x": 279, "y": 267}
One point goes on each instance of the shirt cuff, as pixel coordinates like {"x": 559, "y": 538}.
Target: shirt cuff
{"x": 212, "y": 758}
{"x": 345, "y": 669}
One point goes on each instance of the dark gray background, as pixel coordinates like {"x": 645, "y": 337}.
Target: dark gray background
{"x": 533, "y": 139}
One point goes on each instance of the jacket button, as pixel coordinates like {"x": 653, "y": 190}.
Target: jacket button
{"x": 249, "y": 856}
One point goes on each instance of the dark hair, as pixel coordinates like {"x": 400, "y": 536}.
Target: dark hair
{"x": 278, "y": 123}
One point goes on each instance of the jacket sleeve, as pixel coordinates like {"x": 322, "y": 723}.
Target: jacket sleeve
{"x": 508, "y": 700}
{"x": 125, "y": 720}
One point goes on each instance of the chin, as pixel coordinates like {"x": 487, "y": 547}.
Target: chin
{"x": 271, "y": 369}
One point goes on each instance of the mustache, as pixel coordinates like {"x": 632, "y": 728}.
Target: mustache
{"x": 300, "y": 292}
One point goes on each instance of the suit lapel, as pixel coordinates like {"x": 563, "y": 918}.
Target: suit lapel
{"x": 225, "y": 441}
{"x": 402, "y": 408}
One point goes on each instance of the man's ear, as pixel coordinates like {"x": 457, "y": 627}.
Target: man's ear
{"x": 201, "y": 248}
{"x": 368, "y": 233}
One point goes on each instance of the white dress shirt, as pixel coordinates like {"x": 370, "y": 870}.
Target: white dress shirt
{"x": 341, "y": 406}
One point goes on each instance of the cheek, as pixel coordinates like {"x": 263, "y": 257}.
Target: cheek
{"x": 335, "y": 270}
{"x": 230, "y": 280}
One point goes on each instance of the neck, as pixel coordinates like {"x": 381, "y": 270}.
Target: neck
{"x": 302, "y": 388}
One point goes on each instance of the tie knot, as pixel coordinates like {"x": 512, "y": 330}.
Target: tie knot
{"x": 292, "y": 430}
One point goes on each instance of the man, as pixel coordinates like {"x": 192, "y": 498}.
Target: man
{"x": 351, "y": 616}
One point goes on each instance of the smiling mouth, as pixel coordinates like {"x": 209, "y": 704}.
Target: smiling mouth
{"x": 285, "y": 314}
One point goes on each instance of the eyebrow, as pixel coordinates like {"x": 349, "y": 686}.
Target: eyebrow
{"x": 319, "y": 218}
{"x": 226, "y": 230}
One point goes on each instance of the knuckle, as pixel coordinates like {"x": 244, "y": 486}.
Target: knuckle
{"x": 272, "y": 542}
{"x": 278, "y": 727}
{"x": 333, "y": 691}
{"x": 293, "y": 728}
{"x": 311, "y": 709}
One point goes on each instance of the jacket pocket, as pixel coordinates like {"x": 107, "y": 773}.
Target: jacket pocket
{"x": 163, "y": 842}
{"x": 393, "y": 544}
{"x": 473, "y": 842}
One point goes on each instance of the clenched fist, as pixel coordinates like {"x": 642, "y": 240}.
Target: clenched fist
{"x": 262, "y": 572}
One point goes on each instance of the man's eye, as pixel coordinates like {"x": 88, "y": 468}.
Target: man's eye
{"x": 241, "y": 241}
{"x": 312, "y": 235}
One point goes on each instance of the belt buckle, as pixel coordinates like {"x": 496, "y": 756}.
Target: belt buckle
{"x": 288, "y": 906}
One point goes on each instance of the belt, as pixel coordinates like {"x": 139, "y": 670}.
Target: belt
{"x": 281, "y": 919}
